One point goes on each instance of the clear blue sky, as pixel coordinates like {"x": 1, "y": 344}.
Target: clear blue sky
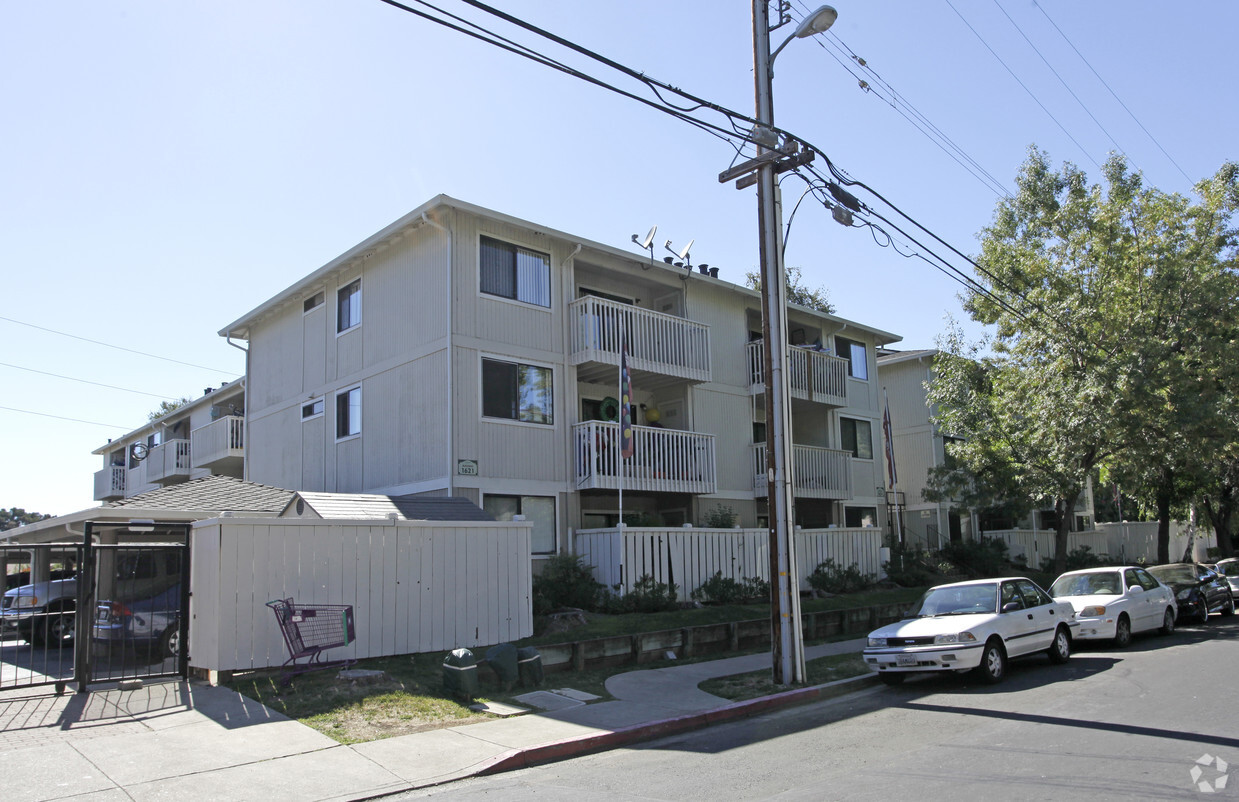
{"x": 168, "y": 166}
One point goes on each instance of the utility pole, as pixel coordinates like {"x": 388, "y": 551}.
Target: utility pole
{"x": 786, "y": 637}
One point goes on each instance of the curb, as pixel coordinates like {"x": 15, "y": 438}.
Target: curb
{"x": 598, "y": 742}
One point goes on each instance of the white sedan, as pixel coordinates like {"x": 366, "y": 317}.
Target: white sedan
{"x": 973, "y": 625}
{"x": 1113, "y": 603}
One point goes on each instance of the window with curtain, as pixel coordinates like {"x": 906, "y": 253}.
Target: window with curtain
{"x": 856, "y": 436}
{"x": 348, "y": 413}
{"x": 348, "y": 310}
{"x": 540, "y": 510}
{"x": 510, "y": 271}
{"x": 517, "y": 392}
{"x": 856, "y": 355}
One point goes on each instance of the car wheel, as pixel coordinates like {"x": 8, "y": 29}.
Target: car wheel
{"x": 1202, "y": 611}
{"x": 1229, "y": 608}
{"x": 56, "y": 630}
{"x": 1167, "y": 622}
{"x": 1060, "y": 649}
{"x": 1122, "y": 633}
{"x": 170, "y": 642}
{"x": 891, "y": 678}
{"x": 993, "y": 663}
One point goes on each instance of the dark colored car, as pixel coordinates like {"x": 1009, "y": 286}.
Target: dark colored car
{"x": 151, "y": 625}
{"x": 1197, "y": 589}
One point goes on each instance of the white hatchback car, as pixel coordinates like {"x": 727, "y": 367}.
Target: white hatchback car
{"x": 1113, "y": 603}
{"x": 972, "y": 625}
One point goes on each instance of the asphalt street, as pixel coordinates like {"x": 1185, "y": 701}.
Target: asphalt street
{"x": 1146, "y": 722}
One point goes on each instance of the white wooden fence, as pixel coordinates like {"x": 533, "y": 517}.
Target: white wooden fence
{"x": 690, "y": 556}
{"x": 1037, "y": 545}
{"x": 415, "y": 586}
{"x": 1125, "y": 542}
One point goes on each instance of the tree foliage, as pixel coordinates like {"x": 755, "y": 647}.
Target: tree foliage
{"x": 167, "y": 407}
{"x": 1112, "y": 307}
{"x": 797, "y": 293}
{"x": 14, "y": 517}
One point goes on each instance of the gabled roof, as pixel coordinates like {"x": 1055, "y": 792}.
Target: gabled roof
{"x": 891, "y": 357}
{"x": 365, "y": 506}
{"x": 211, "y": 493}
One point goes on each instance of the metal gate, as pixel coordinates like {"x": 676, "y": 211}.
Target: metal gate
{"x": 113, "y": 607}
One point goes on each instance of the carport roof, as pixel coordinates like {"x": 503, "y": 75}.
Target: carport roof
{"x": 215, "y": 493}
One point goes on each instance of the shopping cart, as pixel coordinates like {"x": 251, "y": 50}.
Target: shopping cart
{"x": 309, "y": 630}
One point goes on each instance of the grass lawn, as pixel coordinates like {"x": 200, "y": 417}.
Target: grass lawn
{"x": 411, "y": 698}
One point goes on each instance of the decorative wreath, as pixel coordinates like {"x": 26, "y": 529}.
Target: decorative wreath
{"x": 609, "y": 408}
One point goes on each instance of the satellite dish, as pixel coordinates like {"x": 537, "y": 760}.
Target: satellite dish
{"x": 684, "y": 253}
{"x": 645, "y": 243}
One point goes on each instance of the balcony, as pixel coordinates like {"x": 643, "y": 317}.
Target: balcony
{"x": 662, "y": 348}
{"x": 220, "y": 445}
{"x": 168, "y": 462}
{"x": 813, "y": 375}
{"x": 816, "y": 472}
{"x": 663, "y": 460}
{"x": 110, "y": 483}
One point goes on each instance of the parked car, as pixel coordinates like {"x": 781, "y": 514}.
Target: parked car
{"x": 152, "y": 625}
{"x": 1229, "y": 568}
{"x": 1113, "y": 603}
{"x": 976, "y": 625}
{"x": 1197, "y": 590}
{"x": 42, "y": 613}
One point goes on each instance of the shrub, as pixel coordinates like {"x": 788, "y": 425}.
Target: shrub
{"x": 719, "y": 589}
{"x": 1077, "y": 559}
{"x": 565, "y": 581}
{"x": 646, "y": 596}
{"x": 977, "y": 558}
{"x": 911, "y": 567}
{"x": 830, "y": 578}
{"x": 720, "y": 517}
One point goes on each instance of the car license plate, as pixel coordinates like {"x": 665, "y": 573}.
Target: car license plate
{"x": 905, "y": 660}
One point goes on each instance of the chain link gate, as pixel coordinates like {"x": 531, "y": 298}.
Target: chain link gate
{"x": 113, "y": 607}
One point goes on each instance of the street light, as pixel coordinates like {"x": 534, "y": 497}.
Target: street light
{"x": 787, "y": 640}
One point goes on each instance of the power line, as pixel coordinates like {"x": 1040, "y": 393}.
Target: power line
{"x": 87, "y": 381}
{"x": 1022, "y": 84}
{"x": 117, "y": 347}
{"x": 1112, "y": 92}
{"x": 61, "y": 417}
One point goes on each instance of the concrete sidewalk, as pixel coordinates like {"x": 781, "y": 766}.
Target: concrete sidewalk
{"x": 193, "y": 741}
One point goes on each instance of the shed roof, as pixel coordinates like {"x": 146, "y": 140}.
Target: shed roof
{"x": 366, "y": 506}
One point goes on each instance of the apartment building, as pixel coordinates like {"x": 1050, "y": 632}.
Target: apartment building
{"x": 205, "y": 437}
{"x": 464, "y": 352}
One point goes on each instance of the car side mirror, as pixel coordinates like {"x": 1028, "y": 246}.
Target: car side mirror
{"x": 1011, "y": 607}
{"x": 1135, "y": 589}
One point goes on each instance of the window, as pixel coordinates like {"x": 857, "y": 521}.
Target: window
{"x": 856, "y": 436}
{"x": 313, "y": 302}
{"x": 312, "y": 409}
{"x": 155, "y": 439}
{"x": 855, "y": 354}
{"x": 348, "y": 308}
{"x": 517, "y": 392}
{"x": 854, "y": 517}
{"x": 517, "y": 273}
{"x": 1033, "y": 595}
{"x": 538, "y": 509}
{"x": 348, "y": 413}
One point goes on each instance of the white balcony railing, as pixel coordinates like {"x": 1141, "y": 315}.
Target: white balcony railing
{"x": 816, "y": 472}
{"x": 110, "y": 483}
{"x": 657, "y": 342}
{"x": 663, "y": 460}
{"x": 168, "y": 461}
{"x": 220, "y": 445}
{"x": 813, "y": 375}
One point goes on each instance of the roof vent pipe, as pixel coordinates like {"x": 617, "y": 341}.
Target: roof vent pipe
{"x": 714, "y": 272}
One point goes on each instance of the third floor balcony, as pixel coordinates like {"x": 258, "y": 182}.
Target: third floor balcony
{"x": 813, "y": 375}
{"x": 220, "y": 445}
{"x": 662, "y": 348}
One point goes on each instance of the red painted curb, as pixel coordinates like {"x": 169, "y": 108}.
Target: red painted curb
{"x": 597, "y": 742}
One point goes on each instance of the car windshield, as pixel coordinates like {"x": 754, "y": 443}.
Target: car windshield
{"x": 957, "y": 600}
{"x": 1173, "y": 573}
{"x": 1230, "y": 569}
{"x": 1105, "y": 583}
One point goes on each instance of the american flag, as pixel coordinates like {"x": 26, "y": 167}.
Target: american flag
{"x": 626, "y": 446}
{"x": 890, "y": 441}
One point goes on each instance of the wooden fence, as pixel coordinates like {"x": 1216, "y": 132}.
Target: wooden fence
{"x": 1125, "y": 542}
{"x": 1037, "y": 545}
{"x": 690, "y": 556}
{"x": 415, "y": 586}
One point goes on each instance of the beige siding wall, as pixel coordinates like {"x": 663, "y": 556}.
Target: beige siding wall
{"x": 726, "y": 413}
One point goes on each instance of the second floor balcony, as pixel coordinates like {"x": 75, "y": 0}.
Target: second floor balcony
{"x": 220, "y": 445}
{"x": 168, "y": 462}
{"x": 661, "y": 347}
{"x": 816, "y": 472}
{"x": 663, "y": 460}
{"x": 110, "y": 483}
{"x": 812, "y": 375}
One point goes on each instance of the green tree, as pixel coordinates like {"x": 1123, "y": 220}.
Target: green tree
{"x": 167, "y": 407}
{"x": 14, "y": 517}
{"x": 797, "y": 293}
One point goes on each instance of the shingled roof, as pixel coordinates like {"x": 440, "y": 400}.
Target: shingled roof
{"x": 211, "y": 493}
{"x": 364, "y": 507}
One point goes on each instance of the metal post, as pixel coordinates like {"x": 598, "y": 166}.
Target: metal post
{"x": 787, "y": 644}
{"x": 84, "y": 615}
